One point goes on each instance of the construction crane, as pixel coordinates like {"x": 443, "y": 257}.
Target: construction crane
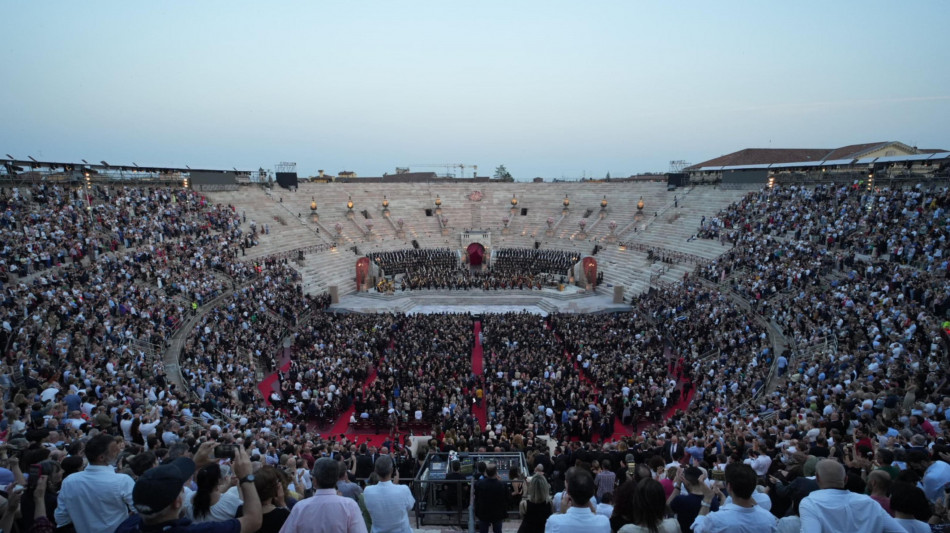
{"x": 448, "y": 166}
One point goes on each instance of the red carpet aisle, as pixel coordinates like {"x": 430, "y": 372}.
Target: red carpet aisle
{"x": 342, "y": 425}
{"x": 478, "y": 368}
{"x": 271, "y": 382}
{"x": 621, "y": 430}
{"x": 268, "y": 385}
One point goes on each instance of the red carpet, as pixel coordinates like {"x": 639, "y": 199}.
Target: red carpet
{"x": 478, "y": 368}
{"x": 268, "y": 385}
{"x": 620, "y": 430}
{"x": 342, "y": 425}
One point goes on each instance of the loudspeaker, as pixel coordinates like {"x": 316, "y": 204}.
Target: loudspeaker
{"x": 618, "y": 294}
{"x": 334, "y": 294}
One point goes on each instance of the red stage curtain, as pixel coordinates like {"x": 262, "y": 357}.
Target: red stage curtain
{"x": 476, "y": 252}
{"x": 362, "y": 270}
{"x": 590, "y": 269}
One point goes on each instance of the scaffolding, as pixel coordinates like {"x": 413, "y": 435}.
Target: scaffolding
{"x": 448, "y": 502}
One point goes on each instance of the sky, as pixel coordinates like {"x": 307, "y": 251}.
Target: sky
{"x": 546, "y": 88}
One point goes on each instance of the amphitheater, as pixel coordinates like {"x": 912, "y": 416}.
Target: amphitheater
{"x": 718, "y": 315}
{"x": 666, "y": 221}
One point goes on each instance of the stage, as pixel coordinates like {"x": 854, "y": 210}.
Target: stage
{"x": 477, "y": 301}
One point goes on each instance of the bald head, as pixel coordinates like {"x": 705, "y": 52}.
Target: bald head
{"x": 879, "y": 480}
{"x": 830, "y": 474}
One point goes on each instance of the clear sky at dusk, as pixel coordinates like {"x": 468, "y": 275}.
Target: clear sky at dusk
{"x": 547, "y": 88}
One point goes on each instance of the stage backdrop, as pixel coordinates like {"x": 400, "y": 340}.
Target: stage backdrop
{"x": 476, "y": 252}
{"x": 362, "y": 270}
{"x": 590, "y": 269}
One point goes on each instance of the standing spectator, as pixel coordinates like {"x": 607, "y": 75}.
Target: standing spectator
{"x": 831, "y": 508}
{"x": 537, "y": 506}
{"x": 388, "y": 503}
{"x": 158, "y": 496}
{"x": 879, "y": 485}
{"x": 649, "y": 508}
{"x": 687, "y": 498}
{"x": 98, "y": 498}
{"x": 577, "y": 513}
{"x": 491, "y": 500}
{"x": 346, "y": 487}
{"x": 605, "y": 480}
{"x": 743, "y": 515}
{"x": 911, "y": 508}
{"x": 271, "y": 493}
{"x": 325, "y": 511}
{"x": 605, "y": 507}
{"x": 215, "y": 500}
{"x": 935, "y": 474}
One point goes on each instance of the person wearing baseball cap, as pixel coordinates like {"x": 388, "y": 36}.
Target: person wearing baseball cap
{"x": 159, "y": 493}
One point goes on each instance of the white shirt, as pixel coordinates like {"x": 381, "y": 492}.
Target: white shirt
{"x": 760, "y": 464}
{"x": 914, "y": 526}
{"x": 96, "y": 499}
{"x": 389, "y": 505}
{"x": 834, "y": 510}
{"x": 935, "y": 479}
{"x": 225, "y": 509}
{"x": 577, "y": 519}
{"x": 733, "y": 518}
{"x": 305, "y": 478}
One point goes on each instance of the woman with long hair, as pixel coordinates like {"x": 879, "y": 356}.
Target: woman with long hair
{"x": 537, "y": 504}
{"x": 515, "y": 486}
{"x": 53, "y": 473}
{"x": 271, "y": 491}
{"x": 216, "y": 499}
{"x": 136, "y": 432}
{"x": 623, "y": 502}
{"x": 649, "y": 509}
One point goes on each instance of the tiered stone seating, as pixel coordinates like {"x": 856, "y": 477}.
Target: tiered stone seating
{"x": 630, "y": 268}
{"x": 286, "y": 231}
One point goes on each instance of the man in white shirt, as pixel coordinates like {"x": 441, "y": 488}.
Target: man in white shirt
{"x": 743, "y": 515}
{"x": 759, "y": 462}
{"x": 96, "y": 499}
{"x": 832, "y": 508}
{"x": 577, "y": 512}
{"x": 388, "y": 504}
{"x": 936, "y": 476}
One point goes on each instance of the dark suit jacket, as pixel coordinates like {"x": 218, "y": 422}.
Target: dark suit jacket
{"x": 364, "y": 466}
{"x": 670, "y": 455}
{"x": 491, "y": 499}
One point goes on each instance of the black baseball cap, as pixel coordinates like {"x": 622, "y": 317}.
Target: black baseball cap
{"x": 158, "y": 487}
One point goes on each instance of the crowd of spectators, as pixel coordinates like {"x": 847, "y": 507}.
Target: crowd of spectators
{"x": 860, "y": 295}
